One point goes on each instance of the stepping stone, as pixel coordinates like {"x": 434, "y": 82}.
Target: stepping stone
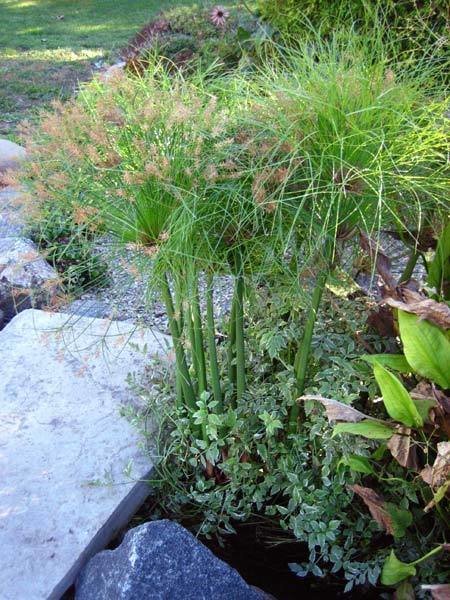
{"x": 11, "y": 155}
{"x": 71, "y": 466}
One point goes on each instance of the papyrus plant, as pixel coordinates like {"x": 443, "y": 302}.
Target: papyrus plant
{"x": 360, "y": 143}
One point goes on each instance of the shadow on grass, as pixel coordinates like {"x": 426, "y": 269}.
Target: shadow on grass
{"x": 29, "y": 85}
{"x": 47, "y": 46}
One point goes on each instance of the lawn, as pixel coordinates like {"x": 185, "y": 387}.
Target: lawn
{"x": 47, "y": 46}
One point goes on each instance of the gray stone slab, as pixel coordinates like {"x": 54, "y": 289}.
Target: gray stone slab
{"x": 69, "y": 462}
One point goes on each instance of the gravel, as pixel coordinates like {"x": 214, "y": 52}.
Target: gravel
{"x": 126, "y": 295}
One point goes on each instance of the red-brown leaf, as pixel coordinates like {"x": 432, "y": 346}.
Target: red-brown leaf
{"x": 376, "y": 506}
{"x": 401, "y": 448}
{"x": 425, "y": 308}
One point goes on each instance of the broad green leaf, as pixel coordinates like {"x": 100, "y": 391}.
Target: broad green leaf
{"x": 439, "y": 268}
{"x": 396, "y": 398}
{"x": 401, "y": 519}
{"x": 396, "y": 362}
{"x": 373, "y": 430}
{"x": 395, "y": 571}
{"x": 426, "y": 347}
{"x": 357, "y": 463}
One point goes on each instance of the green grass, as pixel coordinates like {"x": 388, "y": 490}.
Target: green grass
{"x": 47, "y": 46}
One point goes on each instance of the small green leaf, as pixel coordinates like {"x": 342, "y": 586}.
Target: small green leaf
{"x": 373, "y": 430}
{"x": 396, "y": 398}
{"x": 426, "y": 347}
{"x": 396, "y": 362}
{"x": 395, "y": 571}
{"x": 357, "y": 463}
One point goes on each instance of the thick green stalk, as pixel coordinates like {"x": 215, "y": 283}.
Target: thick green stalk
{"x": 179, "y": 319}
{"x": 240, "y": 343}
{"x": 182, "y": 369}
{"x": 302, "y": 357}
{"x": 211, "y": 333}
{"x": 231, "y": 351}
{"x": 303, "y": 353}
{"x": 191, "y": 333}
{"x": 198, "y": 339}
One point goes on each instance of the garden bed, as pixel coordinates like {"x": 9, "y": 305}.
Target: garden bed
{"x": 246, "y": 197}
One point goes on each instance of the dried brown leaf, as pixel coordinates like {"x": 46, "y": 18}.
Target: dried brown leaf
{"x": 382, "y": 321}
{"x": 425, "y": 308}
{"x": 401, "y": 448}
{"x": 439, "y": 591}
{"x": 427, "y": 474}
{"x": 338, "y": 411}
{"x": 376, "y": 505}
{"x": 441, "y": 466}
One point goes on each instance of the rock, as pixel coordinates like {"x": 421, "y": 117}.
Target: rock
{"x": 71, "y": 467}
{"x": 9, "y": 225}
{"x": 113, "y": 71}
{"x": 11, "y": 155}
{"x": 26, "y": 279}
{"x": 89, "y": 307}
{"x": 11, "y": 221}
{"x": 161, "y": 560}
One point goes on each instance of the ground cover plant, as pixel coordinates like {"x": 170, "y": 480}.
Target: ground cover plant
{"x": 271, "y": 178}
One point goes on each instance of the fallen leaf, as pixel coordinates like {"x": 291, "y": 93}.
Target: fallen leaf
{"x": 338, "y": 411}
{"x": 376, "y": 505}
{"x": 441, "y": 467}
{"x": 427, "y": 474}
{"x": 402, "y": 450}
{"x": 439, "y": 591}
{"x": 425, "y": 308}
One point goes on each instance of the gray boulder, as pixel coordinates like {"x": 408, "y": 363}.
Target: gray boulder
{"x": 11, "y": 155}
{"x": 161, "y": 561}
{"x": 26, "y": 279}
{"x": 11, "y": 217}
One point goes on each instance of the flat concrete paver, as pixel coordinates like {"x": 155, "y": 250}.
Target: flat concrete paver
{"x": 69, "y": 462}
